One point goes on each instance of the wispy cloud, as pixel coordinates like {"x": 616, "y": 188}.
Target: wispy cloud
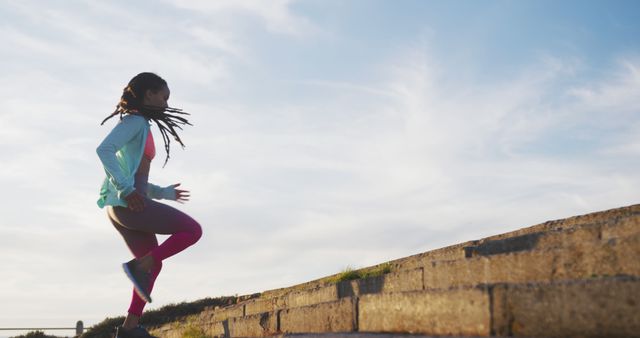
{"x": 613, "y": 104}
{"x": 616, "y": 93}
{"x": 276, "y": 15}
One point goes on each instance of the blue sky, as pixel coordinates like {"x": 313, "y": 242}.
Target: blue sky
{"x": 326, "y": 134}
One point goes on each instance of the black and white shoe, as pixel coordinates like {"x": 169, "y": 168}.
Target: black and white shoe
{"x": 139, "y": 278}
{"x": 136, "y": 332}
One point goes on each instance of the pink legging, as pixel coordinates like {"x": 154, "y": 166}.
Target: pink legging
{"x": 139, "y": 231}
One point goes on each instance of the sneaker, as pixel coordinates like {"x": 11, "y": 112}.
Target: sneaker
{"x": 139, "y": 278}
{"x": 136, "y": 332}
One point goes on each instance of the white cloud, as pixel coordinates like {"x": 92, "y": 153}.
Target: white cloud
{"x": 613, "y": 104}
{"x": 218, "y": 39}
{"x": 276, "y": 15}
{"x": 618, "y": 92}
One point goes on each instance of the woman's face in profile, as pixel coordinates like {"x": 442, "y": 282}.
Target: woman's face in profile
{"x": 157, "y": 98}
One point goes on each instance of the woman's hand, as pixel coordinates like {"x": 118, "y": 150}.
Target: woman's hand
{"x": 135, "y": 201}
{"x": 181, "y": 195}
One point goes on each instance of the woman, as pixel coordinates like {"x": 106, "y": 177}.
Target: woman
{"x": 126, "y": 155}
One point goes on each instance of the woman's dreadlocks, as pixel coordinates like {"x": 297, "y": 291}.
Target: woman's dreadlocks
{"x": 132, "y": 101}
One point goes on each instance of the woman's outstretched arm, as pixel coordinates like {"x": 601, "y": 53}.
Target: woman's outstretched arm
{"x": 169, "y": 192}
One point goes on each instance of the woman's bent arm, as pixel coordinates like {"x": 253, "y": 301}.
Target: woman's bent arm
{"x": 122, "y": 133}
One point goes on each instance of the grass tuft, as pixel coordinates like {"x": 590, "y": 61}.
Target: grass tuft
{"x": 347, "y": 274}
{"x": 350, "y": 274}
{"x": 379, "y": 270}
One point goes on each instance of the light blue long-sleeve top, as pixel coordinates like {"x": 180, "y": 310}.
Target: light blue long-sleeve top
{"x": 121, "y": 152}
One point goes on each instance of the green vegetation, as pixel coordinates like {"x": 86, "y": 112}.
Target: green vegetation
{"x": 377, "y": 271}
{"x": 35, "y": 334}
{"x": 194, "y": 332}
{"x": 174, "y": 312}
{"x": 347, "y": 274}
{"x": 350, "y": 274}
{"x": 166, "y": 314}
{"x": 104, "y": 329}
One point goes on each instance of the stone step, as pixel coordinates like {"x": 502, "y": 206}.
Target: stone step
{"x": 602, "y": 307}
{"x": 580, "y": 256}
{"x": 392, "y": 282}
{"x": 546, "y": 237}
{"x": 586, "y": 259}
{"x": 582, "y": 249}
{"x": 598, "y": 307}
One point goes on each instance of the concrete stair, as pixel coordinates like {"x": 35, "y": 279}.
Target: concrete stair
{"x": 576, "y": 277}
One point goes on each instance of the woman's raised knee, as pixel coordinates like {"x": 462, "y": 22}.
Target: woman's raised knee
{"x": 197, "y": 231}
{"x": 192, "y": 226}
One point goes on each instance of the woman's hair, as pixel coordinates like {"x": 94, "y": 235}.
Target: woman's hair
{"x": 132, "y": 100}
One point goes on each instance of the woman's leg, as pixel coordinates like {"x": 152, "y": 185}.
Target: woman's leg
{"x": 139, "y": 243}
{"x": 139, "y": 229}
{"x": 158, "y": 218}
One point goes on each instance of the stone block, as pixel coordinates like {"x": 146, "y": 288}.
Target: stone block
{"x": 606, "y": 307}
{"x": 335, "y": 316}
{"x": 259, "y": 325}
{"x": 577, "y": 221}
{"x": 621, "y": 227}
{"x": 316, "y": 295}
{"x": 416, "y": 261}
{"x": 514, "y": 267}
{"x": 602, "y": 231}
{"x": 408, "y": 280}
{"x": 259, "y": 306}
{"x": 446, "y": 312}
{"x": 583, "y": 260}
{"x": 213, "y": 329}
{"x": 221, "y": 314}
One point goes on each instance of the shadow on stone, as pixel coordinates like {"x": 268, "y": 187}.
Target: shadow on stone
{"x": 225, "y": 325}
{"x": 501, "y": 246}
{"x": 363, "y": 286}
